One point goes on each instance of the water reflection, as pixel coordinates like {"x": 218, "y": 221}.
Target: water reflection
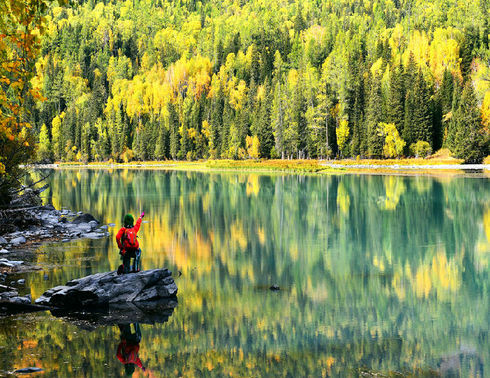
{"x": 128, "y": 348}
{"x": 379, "y": 272}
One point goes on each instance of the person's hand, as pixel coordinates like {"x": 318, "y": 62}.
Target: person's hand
{"x": 142, "y": 214}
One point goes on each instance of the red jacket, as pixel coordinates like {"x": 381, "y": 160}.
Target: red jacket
{"x": 121, "y": 232}
{"x": 127, "y": 353}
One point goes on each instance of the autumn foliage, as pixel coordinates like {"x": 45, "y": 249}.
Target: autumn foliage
{"x": 20, "y": 28}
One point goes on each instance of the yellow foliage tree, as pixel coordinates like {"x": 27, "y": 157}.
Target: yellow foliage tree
{"x": 21, "y": 23}
{"x": 485, "y": 112}
{"x": 342, "y": 134}
{"x": 394, "y": 144}
{"x": 253, "y": 146}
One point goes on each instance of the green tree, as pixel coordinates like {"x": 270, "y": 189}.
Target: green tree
{"x": 44, "y": 147}
{"x": 466, "y": 129}
{"x": 374, "y": 115}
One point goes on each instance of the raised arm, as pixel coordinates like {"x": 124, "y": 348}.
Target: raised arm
{"x": 138, "y": 222}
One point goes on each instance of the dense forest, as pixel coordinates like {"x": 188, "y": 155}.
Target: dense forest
{"x": 155, "y": 79}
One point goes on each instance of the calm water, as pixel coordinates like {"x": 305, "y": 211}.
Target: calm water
{"x": 377, "y": 273}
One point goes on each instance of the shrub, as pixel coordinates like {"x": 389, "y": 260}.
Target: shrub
{"x": 420, "y": 149}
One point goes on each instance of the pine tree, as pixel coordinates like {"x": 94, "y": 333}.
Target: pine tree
{"x": 466, "y": 54}
{"x": 423, "y": 111}
{"x": 173, "y": 124}
{"x": 466, "y": 129}
{"x": 374, "y": 115}
{"x": 408, "y": 133}
{"x": 396, "y": 99}
{"x": 356, "y": 103}
{"x": 161, "y": 151}
{"x": 418, "y": 113}
{"x": 264, "y": 132}
{"x": 278, "y": 118}
{"x": 299, "y": 119}
{"x": 216, "y": 124}
{"x": 442, "y": 107}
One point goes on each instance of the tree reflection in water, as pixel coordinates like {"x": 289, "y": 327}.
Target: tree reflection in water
{"x": 388, "y": 273}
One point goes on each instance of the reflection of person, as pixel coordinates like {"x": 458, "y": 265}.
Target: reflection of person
{"x": 128, "y": 348}
{"x": 128, "y": 243}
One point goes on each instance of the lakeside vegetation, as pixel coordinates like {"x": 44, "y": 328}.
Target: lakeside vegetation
{"x": 153, "y": 80}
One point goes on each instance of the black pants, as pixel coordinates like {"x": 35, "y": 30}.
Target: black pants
{"x": 136, "y": 255}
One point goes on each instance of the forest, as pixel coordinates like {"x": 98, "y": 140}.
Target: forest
{"x": 156, "y": 80}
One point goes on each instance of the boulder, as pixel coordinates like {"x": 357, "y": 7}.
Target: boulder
{"x": 9, "y": 263}
{"x": 3, "y": 241}
{"x": 19, "y": 240}
{"x": 84, "y": 218}
{"x": 102, "y": 289}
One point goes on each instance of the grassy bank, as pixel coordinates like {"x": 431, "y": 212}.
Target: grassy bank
{"x": 367, "y": 166}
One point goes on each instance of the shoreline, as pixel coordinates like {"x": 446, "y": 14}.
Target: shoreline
{"x": 45, "y": 225}
{"x": 409, "y": 167}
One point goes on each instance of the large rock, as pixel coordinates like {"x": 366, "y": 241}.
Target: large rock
{"x": 85, "y": 218}
{"x": 102, "y": 289}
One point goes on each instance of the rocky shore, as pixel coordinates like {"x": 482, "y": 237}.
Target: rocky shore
{"x": 26, "y": 229}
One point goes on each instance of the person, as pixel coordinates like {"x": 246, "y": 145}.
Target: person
{"x": 128, "y": 244}
{"x": 128, "y": 348}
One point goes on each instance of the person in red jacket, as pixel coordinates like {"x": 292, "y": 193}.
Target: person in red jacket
{"x": 128, "y": 348}
{"x": 128, "y": 243}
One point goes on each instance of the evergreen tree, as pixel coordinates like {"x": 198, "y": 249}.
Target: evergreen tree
{"x": 278, "y": 118}
{"x": 264, "y": 132}
{"x": 161, "y": 151}
{"x": 216, "y": 124}
{"x": 423, "y": 111}
{"x": 396, "y": 99}
{"x": 442, "y": 107}
{"x": 173, "y": 124}
{"x": 374, "y": 115}
{"x": 299, "y": 120}
{"x": 466, "y": 129}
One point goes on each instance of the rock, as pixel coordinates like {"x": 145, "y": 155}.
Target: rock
{"x": 63, "y": 220}
{"x": 102, "y": 289}
{"x": 21, "y": 281}
{"x": 3, "y": 251}
{"x": 93, "y": 225}
{"x": 10, "y": 263}
{"x": 20, "y": 300}
{"x": 111, "y": 224}
{"x": 49, "y": 207}
{"x": 274, "y": 288}
{"x": 19, "y": 240}
{"x": 84, "y": 218}
{"x": 104, "y": 227}
{"x": 65, "y": 240}
{"x": 93, "y": 235}
{"x": 84, "y": 227}
{"x": 3, "y": 241}
{"x": 28, "y": 370}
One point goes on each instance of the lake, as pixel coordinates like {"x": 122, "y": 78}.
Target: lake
{"x": 377, "y": 274}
